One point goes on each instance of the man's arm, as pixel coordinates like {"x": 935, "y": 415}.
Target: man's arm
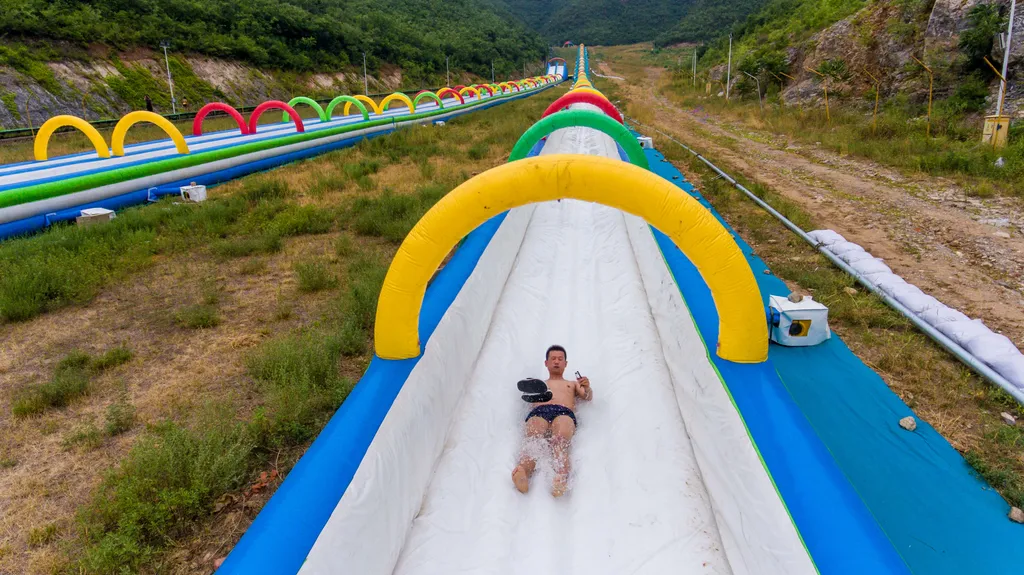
{"x": 583, "y": 390}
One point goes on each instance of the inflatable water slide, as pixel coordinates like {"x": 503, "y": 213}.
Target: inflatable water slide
{"x": 45, "y": 190}
{"x": 705, "y": 449}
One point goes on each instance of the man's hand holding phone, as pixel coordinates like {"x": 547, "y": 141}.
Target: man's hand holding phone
{"x": 584, "y": 384}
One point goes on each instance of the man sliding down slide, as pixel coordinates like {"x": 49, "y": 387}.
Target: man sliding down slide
{"x": 552, "y": 417}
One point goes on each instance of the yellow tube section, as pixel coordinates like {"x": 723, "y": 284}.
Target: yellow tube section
{"x": 743, "y": 331}
{"x": 42, "y": 141}
{"x": 397, "y": 97}
{"x": 132, "y": 118}
{"x": 370, "y": 104}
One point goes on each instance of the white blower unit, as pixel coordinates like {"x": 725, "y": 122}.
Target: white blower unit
{"x": 798, "y": 321}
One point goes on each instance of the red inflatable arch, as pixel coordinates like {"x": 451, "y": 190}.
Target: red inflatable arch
{"x": 479, "y": 87}
{"x": 459, "y": 87}
{"x": 583, "y": 98}
{"x": 441, "y": 93}
{"x": 275, "y": 105}
{"x": 197, "y": 123}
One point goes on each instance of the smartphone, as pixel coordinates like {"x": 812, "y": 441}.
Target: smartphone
{"x": 578, "y": 376}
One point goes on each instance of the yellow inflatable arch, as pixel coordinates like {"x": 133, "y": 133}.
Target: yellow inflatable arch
{"x": 370, "y": 104}
{"x": 743, "y": 332}
{"x": 397, "y": 97}
{"x": 475, "y": 92}
{"x": 42, "y": 141}
{"x": 132, "y": 118}
{"x": 589, "y": 91}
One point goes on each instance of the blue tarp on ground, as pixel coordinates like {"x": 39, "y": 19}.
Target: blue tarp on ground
{"x": 938, "y": 515}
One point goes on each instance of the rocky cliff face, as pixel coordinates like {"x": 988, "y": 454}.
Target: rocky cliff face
{"x": 112, "y": 84}
{"x": 883, "y": 37}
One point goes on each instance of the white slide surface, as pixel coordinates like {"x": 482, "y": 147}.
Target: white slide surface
{"x": 638, "y": 503}
{"x": 664, "y": 480}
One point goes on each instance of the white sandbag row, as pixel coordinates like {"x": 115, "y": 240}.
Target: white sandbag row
{"x": 993, "y": 349}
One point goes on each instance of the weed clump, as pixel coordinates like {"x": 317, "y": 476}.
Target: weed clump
{"x": 198, "y": 316}
{"x": 266, "y": 243}
{"x": 69, "y": 382}
{"x": 391, "y": 216}
{"x": 314, "y": 276}
{"x": 168, "y": 480}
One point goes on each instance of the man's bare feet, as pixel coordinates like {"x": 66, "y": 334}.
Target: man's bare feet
{"x": 560, "y": 484}
{"x": 521, "y": 478}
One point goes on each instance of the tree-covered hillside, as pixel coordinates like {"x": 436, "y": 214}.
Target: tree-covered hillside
{"x": 291, "y": 34}
{"x": 599, "y": 21}
{"x": 705, "y": 20}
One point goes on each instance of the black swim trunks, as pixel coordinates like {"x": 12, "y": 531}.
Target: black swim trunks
{"x": 550, "y": 411}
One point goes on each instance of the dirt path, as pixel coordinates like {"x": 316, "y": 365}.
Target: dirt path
{"x": 965, "y": 251}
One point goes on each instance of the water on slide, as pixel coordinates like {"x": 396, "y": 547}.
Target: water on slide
{"x": 637, "y": 502}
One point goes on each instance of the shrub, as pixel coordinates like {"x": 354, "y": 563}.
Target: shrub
{"x": 70, "y": 381}
{"x": 198, "y": 316}
{"x": 314, "y": 276}
{"x": 299, "y": 374}
{"x": 168, "y": 480}
{"x": 120, "y": 417}
{"x": 113, "y": 358}
{"x": 244, "y": 246}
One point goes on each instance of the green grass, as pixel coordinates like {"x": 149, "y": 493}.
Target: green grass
{"x": 9, "y": 102}
{"x": 39, "y": 536}
{"x": 87, "y": 437}
{"x": 343, "y": 246}
{"x": 900, "y": 140}
{"x": 170, "y": 478}
{"x": 197, "y": 316}
{"x": 1000, "y": 474}
{"x": 266, "y": 243}
{"x": 314, "y": 276}
{"x": 113, "y": 358}
{"x": 391, "y": 216}
{"x": 478, "y": 151}
{"x": 253, "y": 267}
{"x": 69, "y": 382}
{"x": 68, "y": 265}
{"x": 298, "y": 374}
{"x": 120, "y": 417}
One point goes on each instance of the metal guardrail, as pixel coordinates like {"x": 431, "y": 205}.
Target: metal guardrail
{"x": 948, "y": 344}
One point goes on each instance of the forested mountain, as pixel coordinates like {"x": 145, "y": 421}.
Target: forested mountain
{"x": 299, "y": 35}
{"x": 704, "y": 20}
{"x": 599, "y": 21}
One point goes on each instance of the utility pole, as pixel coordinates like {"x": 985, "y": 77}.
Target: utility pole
{"x": 695, "y": 67}
{"x": 447, "y": 73}
{"x": 758, "y": 81}
{"x": 492, "y": 71}
{"x": 1006, "y": 57}
{"x": 170, "y": 83}
{"x": 366, "y": 82}
{"x": 728, "y": 72}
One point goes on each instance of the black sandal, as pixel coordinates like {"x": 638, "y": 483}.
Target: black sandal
{"x": 535, "y": 391}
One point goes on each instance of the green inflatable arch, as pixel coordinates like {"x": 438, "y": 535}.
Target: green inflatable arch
{"x": 586, "y": 119}
{"x": 430, "y": 95}
{"x": 308, "y": 101}
{"x": 335, "y": 102}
